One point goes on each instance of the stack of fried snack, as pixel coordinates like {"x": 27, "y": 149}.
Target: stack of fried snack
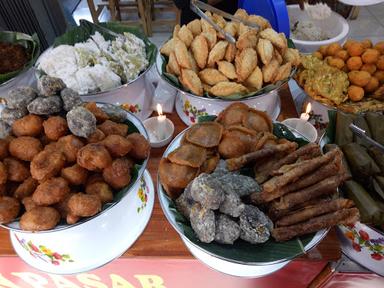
{"x": 205, "y": 62}
{"x": 57, "y": 165}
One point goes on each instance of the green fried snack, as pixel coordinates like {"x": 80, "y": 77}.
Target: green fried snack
{"x": 376, "y": 125}
{"x": 344, "y": 135}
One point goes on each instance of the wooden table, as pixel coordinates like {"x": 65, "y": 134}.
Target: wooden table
{"x": 161, "y": 240}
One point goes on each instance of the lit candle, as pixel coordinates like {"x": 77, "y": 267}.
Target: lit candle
{"x": 161, "y": 133}
{"x": 305, "y": 116}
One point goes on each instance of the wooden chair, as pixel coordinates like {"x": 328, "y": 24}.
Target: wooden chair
{"x": 153, "y": 6}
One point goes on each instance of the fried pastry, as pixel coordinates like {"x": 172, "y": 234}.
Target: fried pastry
{"x": 255, "y": 80}
{"x": 191, "y": 81}
{"x": 181, "y": 54}
{"x": 231, "y": 28}
{"x": 224, "y": 89}
{"x": 243, "y": 29}
{"x": 211, "y": 37}
{"x": 185, "y": 35}
{"x": 173, "y": 65}
{"x": 233, "y": 114}
{"x": 189, "y": 155}
{"x": 199, "y": 48}
{"x": 270, "y": 71}
{"x": 193, "y": 62}
{"x": 176, "y": 30}
{"x": 207, "y": 134}
{"x": 227, "y": 69}
{"x": 275, "y": 38}
{"x": 230, "y": 52}
{"x": 257, "y": 120}
{"x": 278, "y": 56}
{"x": 265, "y": 50}
{"x": 292, "y": 56}
{"x": 241, "y": 13}
{"x": 245, "y": 63}
{"x": 259, "y": 20}
{"x": 212, "y": 76}
{"x": 195, "y": 27}
{"x": 217, "y": 53}
{"x": 247, "y": 40}
{"x": 283, "y": 72}
{"x": 168, "y": 47}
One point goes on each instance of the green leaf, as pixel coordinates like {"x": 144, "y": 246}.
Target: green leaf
{"x": 206, "y": 118}
{"x": 282, "y": 131}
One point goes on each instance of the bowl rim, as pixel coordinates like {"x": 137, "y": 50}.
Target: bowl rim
{"x": 139, "y": 125}
{"x": 320, "y": 234}
{"x": 337, "y": 38}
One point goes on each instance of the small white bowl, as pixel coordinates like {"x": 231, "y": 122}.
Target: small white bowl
{"x": 304, "y": 128}
{"x": 335, "y": 26}
{"x": 156, "y": 129}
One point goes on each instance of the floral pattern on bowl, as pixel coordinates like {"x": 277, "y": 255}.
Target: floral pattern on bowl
{"x": 131, "y": 108}
{"x": 43, "y": 253}
{"x": 192, "y": 112}
{"x": 142, "y": 193}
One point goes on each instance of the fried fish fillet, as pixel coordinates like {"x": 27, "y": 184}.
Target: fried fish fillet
{"x": 191, "y": 81}
{"x": 228, "y": 69}
{"x": 185, "y": 35}
{"x": 195, "y": 27}
{"x": 212, "y": 76}
{"x": 224, "y": 89}
{"x": 247, "y": 40}
{"x": 275, "y": 38}
{"x": 217, "y": 53}
{"x": 255, "y": 80}
{"x": 206, "y": 134}
{"x": 200, "y": 50}
{"x": 283, "y": 72}
{"x": 168, "y": 47}
{"x": 270, "y": 70}
{"x": 245, "y": 63}
{"x": 230, "y": 53}
{"x": 173, "y": 65}
{"x": 189, "y": 155}
{"x": 265, "y": 50}
{"x": 181, "y": 54}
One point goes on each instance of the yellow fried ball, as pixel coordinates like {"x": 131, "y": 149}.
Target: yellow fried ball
{"x": 333, "y": 48}
{"x": 355, "y": 49}
{"x": 379, "y": 74}
{"x": 370, "y": 56}
{"x": 379, "y": 46}
{"x": 359, "y": 78}
{"x": 348, "y": 43}
{"x": 354, "y": 63}
{"x": 372, "y": 85}
{"x": 355, "y": 93}
{"x": 342, "y": 54}
{"x": 323, "y": 50}
{"x": 370, "y": 68}
{"x": 367, "y": 43}
{"x": 380, "y": 62}
{"x": 318, "y": 55}
{"x": 336, "y": 62}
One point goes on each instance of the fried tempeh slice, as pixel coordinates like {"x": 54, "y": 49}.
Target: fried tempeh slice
{"x": 239, "y": 162}
{"x": 200, "y": 50}
{"x": 189, "y": 155}
{"x": 305, "y": 167}
{"x": 316, "y": 210}
{"x": 344, "y": 216}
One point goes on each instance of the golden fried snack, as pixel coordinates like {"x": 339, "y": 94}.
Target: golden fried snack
{"x": 278, "y": 56}
{"x": 224, "y": 89}
{"x": 195, "y": 27}
{"x": 168, "y": 47}
{"x": 336, "y": 62}
{"x": 380, "y": 63}
{"x": 359, "y": 78}
{"x": 318, "y": 55}
{"x": 355, "y": 49}
{"x": 219, "y": 20}
{"x": 174, "y": 177}
{"x": 370, "y": 68}
{"x": 270, "y": 71}
{"x": 193, "y": 62}
{"x": 245, "y": 63}
{"x": 75, "y": 175}
{"x": 379, "y": 93}
{"x": 212, "y": 76}
{"x": 176, "y": 30}
{"x": 370, "y": 56}
{"x": 233, "y": 114}
{"x": 117, "y": 146}
{"x": 230, "y": 52}
{"x": 181, "y": 54}
{"x": 94, "y": 157}
{"x": 342, "y": 54}
{"x": 3, "y": 174}
{"x": 84, "y": 205}
{"x": 101, "y": 190}
{"x": 140, "y": 146}
{"x": 231, "y": 28}
{"x": 28, "y": 203}
{"x": 47, "y": 164}
{"x": 247, "y": 40}
{"x": 191, "y": 81}
{"x": 259, "y": 20}
{"x": 242, "y": 14}
{"x": 207, "y": 134}
{"x": 25, "y": 148}
{"x": 69, "y": 145}
{"x": 51, "y": 191}
{"x": 30, "y": 125}
{"x": 372, "y": 85}
{"x": 367, "y": 43}
{"x": 112, "y": 128}
{"x": 26, "y": 188}
{"x": 255, "y": 80}
{"x": 189, "y": 155}
{"x": 185, "y": 35}
{"x": 4, "y": 144}
{"x": 234, "y": 144}
{"x": 172, "y": 65}
{"x": 118, "y": 174}
{"x": 55, "y": 127}
{"x": 9, "y": 209}
{"x": 275, "y": 38}
{"x": 217, "y": 53}
{"x": 380, "y": 76}
{"x": 97, "y": 136}
{"x": 227, "y": 69}
{"x": 265, "y": 50}
{"x": 323, "y": 50}
{"x": 62, "y": 206}
{"x": 257, "y": 120}
{"x": 379, "y": 46}
{"x": 243, "y": 29}
{"x": 348, "y": 43}
{"x": 284, "y": 71}
{"x": 200, "y": 51}
{"x": 333, "y": 48}
{"x": 211, "y": 36}
{"x": 17, "y": 170}
{"x": 99, "y": 114}
{"x": 355, "y": 93}
{"x": 39, "y": 219}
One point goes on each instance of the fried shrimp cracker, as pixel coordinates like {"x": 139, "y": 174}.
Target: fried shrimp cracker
{"x": 227, "y": 69}
{"x": 283, "y": 72}
{"x": 185, "y": 35}
{"x": 207, "y": 134}
{"x": 257, "y": 120}
{"x": 275, "y": 38}
{"x": 224, "y": 89}
{"x": 270, "y": 70}
{"x": 245, "y": 63}
{"x": 191, "y": 81}
{"x": 265, "y": 50}
{"x": 195, "y": 27}
{"x": 173, "y": 65}
{"x": 217, "y": 53}
{"x": 181, "y": 54}
{"x": 189, "y": 155}
{"x": 200, "y": 50}
{"x": 255, "y": 80}
{"x": 168, "y": 47}
{"x": 233, "y": 114}
{"x": 230, "y": 52}
{"x": 212, "y": 76}
{"x": 247, "y": 40}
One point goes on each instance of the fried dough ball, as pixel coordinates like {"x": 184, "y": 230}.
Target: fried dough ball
{"x": 51, "y": 191}
{"x": 3, "y": 190}
{"x": 70, "y": 145}
{"x": 9, "y": 209}
{"x": 100, "y": 189}
{"x": 118, "y": 174}
{"x": 379, "y": 74}
{"x": 100, "y": 115}
{"x": 39, "y": 219}
{"x": 359, "y": 78}
{"x": 75, "y": 175}
{"x": 323, "y": 50}
{"x": 112, "y": 128}
{"x": 367, "y": 43}
{"x": 336, "y": 62}
{"x": 3, "y": 173}
{"x": 97, "y": 136}
{"x": 370, "y": 68}
{"x": 26, "y": 188}
{"x": 4, "y": 144}
{"x": 94, "y": 157}
{"x": 84, "y": 205}
{"x": 348, "y": 43}
{"x": 62, "y": 206}
{"x": 342, "y": 54}
{"x": 72, "y": 219}
{"x": 372, "y": 85}
{"x": 117, "y": 145}
{"x": 370, "y": 56}
{"x": 355, "y": 93}
{"x": 47, "y": 164}
{"x": 95, "y": 177}
{"x": 30, "y": 125}
{"x": 25, "y": 148}
{"x": 354, "y": 63}
{"x": 17, "y": 170}
{"x": 318, "y": 55}
{"x": 379, "y": 46}
{"x": 380, "y": 62}
{"x": 28, "y": 203}
{"x": 55, "y": 127}
{"x": 355, "y": 49}
{"x": 333, "y": 48}
{"x": 140, "y": 146}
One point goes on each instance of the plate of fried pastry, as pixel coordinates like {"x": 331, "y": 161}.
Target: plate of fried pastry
{"x": 245, "y": 190}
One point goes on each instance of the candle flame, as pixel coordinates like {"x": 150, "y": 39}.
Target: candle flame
{"x": 308, "y": 108}
{"x": 159, "y": 109}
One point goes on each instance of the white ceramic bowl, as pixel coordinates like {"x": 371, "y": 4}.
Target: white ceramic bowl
{"x": 335, "y": 26}
{"x": 157, "y": 129}
{"x": 189, "y": 106}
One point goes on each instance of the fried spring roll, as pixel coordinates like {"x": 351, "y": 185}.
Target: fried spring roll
{"x": 344, "y": 216}
{"x": 263, "y": 170}
{"x": 324, "y": 187}
{"x": 305, "y": 167}
{"x": 312, "y": 211}
{"x": 239, "y": 162}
